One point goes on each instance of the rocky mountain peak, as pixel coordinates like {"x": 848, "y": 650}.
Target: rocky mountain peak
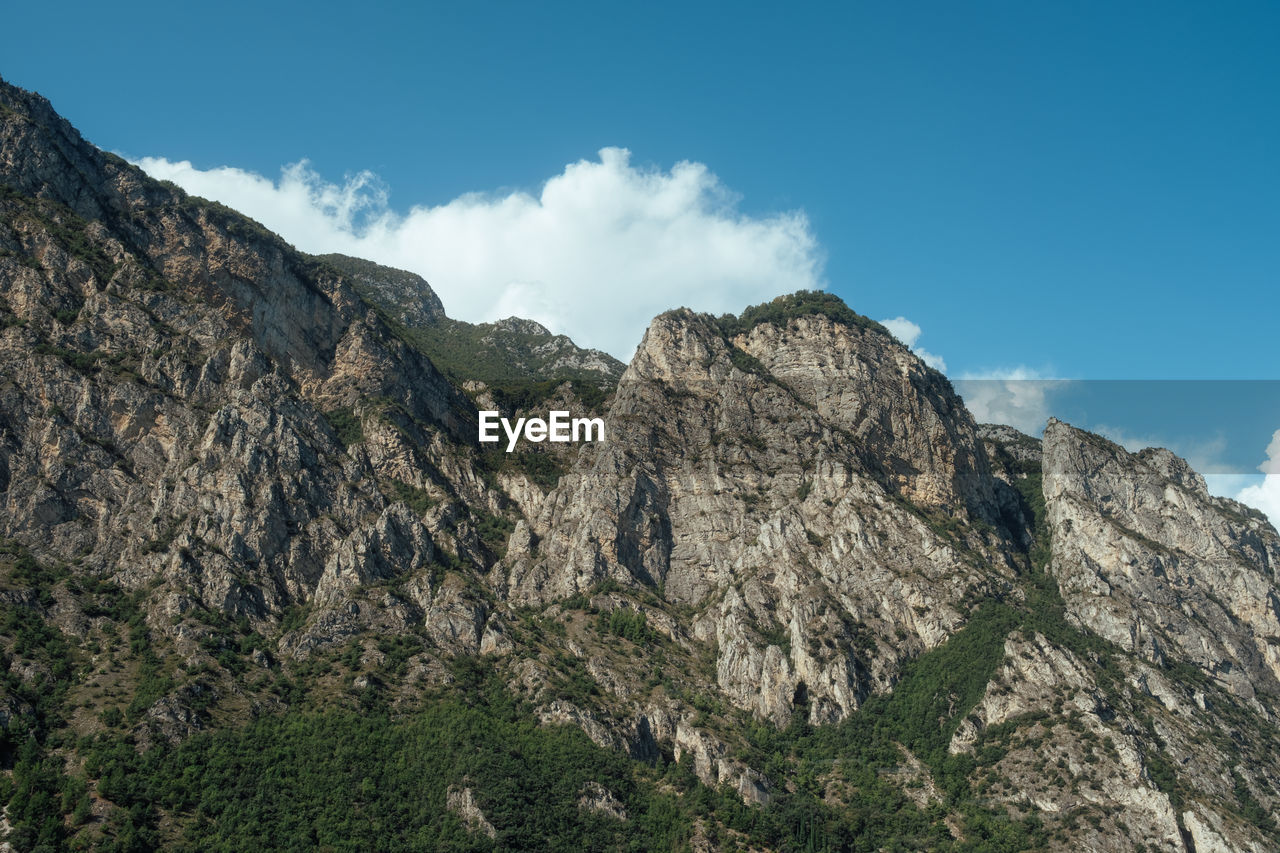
{"x": 520, "y": 326}
{"x": 44, "y": 157}
{"x": 1149, "y": 560}
{"x": 709, "y": 449}
{"x": 510, "y": 352}
{"x": 406, "y": 294}
{"x": 909, "y": 426}
{"x": 902, "y": 412}
{"x": 679, "y": 346}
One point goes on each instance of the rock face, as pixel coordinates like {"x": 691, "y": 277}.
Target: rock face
{"x": 463, "y": 804}
{"x": 599, "y": 799}
{"x": 768, "y": 513}
{"x": 177, "y": 383}
{"x": 1147, "y": 559}
{"x": 1077, "y": 746}
{"x": 406, "y": 295}
{"x": 1036, "y": 674}
{"x": 903, "y": 415}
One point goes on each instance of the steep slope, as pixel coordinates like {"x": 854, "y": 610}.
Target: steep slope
{"x": 1147, "y": 559}
{"x": 904, "y": 417}
{"x": 1117, "y": 744}
{"x": 192, "y": 408}
{"x": 755, "y": 509}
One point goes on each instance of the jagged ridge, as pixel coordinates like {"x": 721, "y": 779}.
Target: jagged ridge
{"x": 506, "y": 353}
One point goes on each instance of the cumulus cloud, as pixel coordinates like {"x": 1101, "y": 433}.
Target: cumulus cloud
{"x": 599, "y": 250}
{"x": 908, "y": 332}
{"x": 1266, "y": 495}
{"x": 1018, "y": 397}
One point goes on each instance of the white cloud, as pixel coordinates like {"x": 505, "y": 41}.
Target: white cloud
{"x": 1018, "y": 397}
{"x": 596, "y": 253}
{"x": 1266, "y": 495}
{"x": 908, "y": 332}
{"x": 903, "y": 329}
{"x": 1272, "y": 466}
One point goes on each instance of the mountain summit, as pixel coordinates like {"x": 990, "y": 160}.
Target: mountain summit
{"x": 508, "y": 351}
{"x": 259, "y": 580}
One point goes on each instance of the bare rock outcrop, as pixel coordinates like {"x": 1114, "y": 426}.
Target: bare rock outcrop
{"x": 731, "y": 492}
{"x": 462, "y": 802}
{"x": 1149, "y": 560}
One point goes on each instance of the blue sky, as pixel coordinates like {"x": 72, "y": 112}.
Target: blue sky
{"x": 1086, "y": 190}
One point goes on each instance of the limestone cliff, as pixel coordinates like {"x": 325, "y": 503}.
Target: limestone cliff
{"x": 1147, "y": 559}
{"x": 192, "y": 406}
{"x": 757, "y": 508}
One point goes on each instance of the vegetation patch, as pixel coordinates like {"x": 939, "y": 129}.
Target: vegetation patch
{"x": 418, "y": 500}
{"x": 346, "y": 780}
{"x": 746, "y": 362}
{"x": 802, "y": 303}
{"x": 492, "y": 529}
{"x": 542, "y": 468}
{"x": 630, "y": 624}
{"x": 85, "y": 362}
{"x": 346, "y": 424}
{"x": 515, "y": 395}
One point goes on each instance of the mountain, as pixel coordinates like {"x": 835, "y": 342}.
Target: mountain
{"x": 508, "y": 353}
{"x": 259, "y": 580}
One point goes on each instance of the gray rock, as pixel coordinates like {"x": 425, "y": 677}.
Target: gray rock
{"x": 1146, "y": 558}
